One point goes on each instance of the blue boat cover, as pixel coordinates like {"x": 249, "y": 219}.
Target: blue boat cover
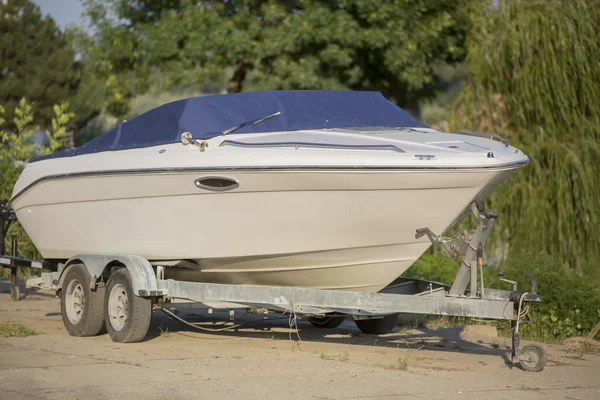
{"x": 206, "y": 117}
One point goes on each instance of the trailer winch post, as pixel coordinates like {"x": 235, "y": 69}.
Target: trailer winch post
{"x": 467, "y": 272}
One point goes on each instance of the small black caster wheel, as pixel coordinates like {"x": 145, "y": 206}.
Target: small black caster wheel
{"x": 532, "y": 358}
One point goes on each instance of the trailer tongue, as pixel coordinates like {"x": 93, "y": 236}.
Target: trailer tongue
{"x": 120, "y": 292}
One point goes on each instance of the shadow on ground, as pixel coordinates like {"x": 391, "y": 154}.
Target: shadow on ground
{"x": 277, "y": 326}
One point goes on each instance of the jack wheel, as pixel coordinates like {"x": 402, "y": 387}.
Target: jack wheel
{"x": 532, "y": 358}
{"x": 127, "y": 316}
{"x": 326, "y": 322}
{"x": 80, "y": 306}
{"x": 377, "y": 326}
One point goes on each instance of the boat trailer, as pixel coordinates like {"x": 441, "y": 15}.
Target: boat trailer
{"x": 121, "y": 291}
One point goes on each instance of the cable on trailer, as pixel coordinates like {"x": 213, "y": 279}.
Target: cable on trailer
{"x": 172, "y": 315}
{"x": 223, "y": 329}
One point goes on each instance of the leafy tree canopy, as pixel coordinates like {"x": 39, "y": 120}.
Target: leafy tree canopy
{"x": 389, "y": 46}
{"x": 37, "y": 62}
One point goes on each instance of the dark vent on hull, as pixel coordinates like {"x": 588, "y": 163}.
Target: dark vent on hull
{"x": 216, "y": 184}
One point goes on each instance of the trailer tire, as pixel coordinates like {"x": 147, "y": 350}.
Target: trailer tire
{"x": 82, "y": 308}
{"x": 377, "y": 326}
{"x": 326, "y": 322}
{"x": 127, "y": 316}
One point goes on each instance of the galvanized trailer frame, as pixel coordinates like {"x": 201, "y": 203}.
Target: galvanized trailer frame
{"x": 145, "y": 280}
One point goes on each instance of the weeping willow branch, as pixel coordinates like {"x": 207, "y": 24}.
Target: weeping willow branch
{"x": 534, "y": 70}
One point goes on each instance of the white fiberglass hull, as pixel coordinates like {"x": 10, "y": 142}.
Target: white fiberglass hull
{"x": 325, "y": 229}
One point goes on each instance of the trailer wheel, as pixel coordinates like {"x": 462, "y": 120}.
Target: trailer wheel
{"x": 377, "y": 326}
{"x": 127, "y": 316}
{"x": 532, "y": 358}
{"x": 81, "y": 308}
{"x": 326, "y": 322}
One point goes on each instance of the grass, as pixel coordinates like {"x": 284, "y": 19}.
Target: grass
{"x": 448, "y": 322}
{"x": 584, "y": 348}
{"x": 16, "y": 329}
{"x": 589, "y": 348}
{"x": 164, "y": 331}
{"x": 529, "y": 389}
{"x": 342, "y": 357}
{"x": 374, "y": 346}
{"x": 400, "y": 365}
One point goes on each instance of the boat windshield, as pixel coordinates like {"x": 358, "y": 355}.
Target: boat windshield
{"x": 250, "y": 123}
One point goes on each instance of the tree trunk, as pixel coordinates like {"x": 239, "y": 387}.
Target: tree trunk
{"x": 239, "y": 74}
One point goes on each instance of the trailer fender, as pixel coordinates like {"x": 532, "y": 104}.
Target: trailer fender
{"x": 143, "y": 278}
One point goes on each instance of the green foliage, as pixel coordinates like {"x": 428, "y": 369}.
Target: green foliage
{"x": 534, "y": 71}
{"x": 434, "y": 267}
{"x": 543, "y": 57}
{"x": 15, "y": 329}
{"x": 571, "y": 298}
{"x": 61, "y": 118}
{"x": 17, "y": 148}
{"x": 390, "y": 46}
{"x": 114, "y": 54}
{"x": 37, "y": 63}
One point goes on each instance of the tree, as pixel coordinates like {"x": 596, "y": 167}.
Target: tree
{"x": 37, "y": 62}
{"x": 389, "y": 46}
{"x": 534, "y": 70}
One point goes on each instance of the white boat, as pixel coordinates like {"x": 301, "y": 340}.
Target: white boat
{"x": 324, "y": 189}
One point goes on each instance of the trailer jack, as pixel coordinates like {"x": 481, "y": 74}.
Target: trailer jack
{"x": 466, "y": 248}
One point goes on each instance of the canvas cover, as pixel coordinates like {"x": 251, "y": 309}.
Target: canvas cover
{"x": 206, "y": 117}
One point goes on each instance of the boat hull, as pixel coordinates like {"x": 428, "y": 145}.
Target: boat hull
{"x": 331, "y": 229}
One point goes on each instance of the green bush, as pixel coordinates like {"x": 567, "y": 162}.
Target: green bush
{"x": 571, "y": 298}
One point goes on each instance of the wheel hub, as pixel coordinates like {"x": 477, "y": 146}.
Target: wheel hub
{"x": 74, "y": 301}
{"x": 531, "y": 358}
{"x": 118, "y": 306}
